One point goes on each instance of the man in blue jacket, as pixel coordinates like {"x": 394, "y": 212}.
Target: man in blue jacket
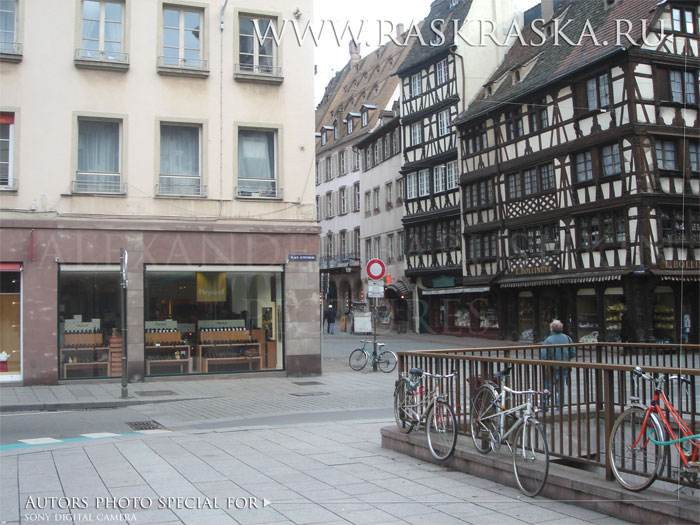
{"x": 557, "y": 374}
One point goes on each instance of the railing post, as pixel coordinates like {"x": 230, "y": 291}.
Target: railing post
{"x": 609, "y": 416}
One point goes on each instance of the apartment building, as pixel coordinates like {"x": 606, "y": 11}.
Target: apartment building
{"x": 580, "y": 178}
{"x": 179, "y": 132}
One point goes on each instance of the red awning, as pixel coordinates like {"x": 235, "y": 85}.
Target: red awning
{"x": 7, "y": 118}
{"x": 10, "y": 267}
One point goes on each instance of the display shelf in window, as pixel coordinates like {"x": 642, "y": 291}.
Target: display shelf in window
{"x": 613, "y": 319}
{"x": 229, "y": 349}
{"x": 168, "y": 358}
{"x": 83, "y": 354}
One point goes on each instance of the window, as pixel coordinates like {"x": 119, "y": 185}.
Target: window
{"x": 451, "y": 175}
{"x": 538, "y": 117}
{"x": 99, "y": 157}
{"x": 411, "y": 186}
{"x": 396, "y": 142}
{"x": 368, "y": 204}
{"x": 329, "y": 205}
{"x": 356, "y": 243}
{"x": 666, "y": 155}
{"x": 8, "y": 28}
{"x": 368, "y": 249}
{"x": 343, "y": 196}
{"x": 335, "y": 130}
{"x": 547, "y": 176}
{"x": 402, "y": 249}
{"x": 368, "y": 158}
{"x": 683, "y": 86}
{"x": 324, "y": 139}
{"x": 485, "y": 193}
{"x": 377, "y": 252}
{"x": 257, "y": 49}
{"x": 439, "y": 178}
{"x": 530, "y": 181}
{"x": 390, "y": 248}
{"x": 182, "y": 38}
{"x": 387, "y": 147}
{"x": 343, "y": 162}
{"x": 514, "y": 186}
{"x": 375, "y": 193}
{"x": 683, "y": 20}
{"x": 442, "y": 73}
{"x": 377, "y": 147}
{"x": 416, "y": 86}
{"x": 443, "y": 121}
{"x": 257, "y": 164}
{"x": 102, "y": 31}
{"x": 514, "y": 125}
{"x": 598, "y": 92}
{"x": 350, "y": 125}
{"x": 365, "y": 117}
{"x": 388, "y": 194}
{"x": 611, "y": 160}
{"x": 694, "y": 150}
{"x": 180, "y": 160}
{"x": 482, "y": 246}
{"x": 423, "y": 183}
{"x": 318, "y": 172}
{"x": 607, "y": 228}
{"x": 584, "y": 167}
{"x": 416, "y": 133}
{"x": 355, "y": 159}
{"x": 318, "y": 208}
{"x": 7, "y": 125}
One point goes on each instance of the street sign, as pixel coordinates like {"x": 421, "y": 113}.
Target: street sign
{"x": 376, "y": 269}
{"x": 375, "y": 289}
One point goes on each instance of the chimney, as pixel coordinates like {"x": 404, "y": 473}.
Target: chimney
{"x": 547, "y": 10}
{"x": 354, "y": 51}
{"x": 399, "y": 30}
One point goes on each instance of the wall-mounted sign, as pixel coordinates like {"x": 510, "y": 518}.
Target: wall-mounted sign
{"x": 375, "y": 289}
{"x": 679, "y": 265}
{"x": 537, "y": 270}
{"x": 302, "y": 257}
{"x": 211, "y": 287}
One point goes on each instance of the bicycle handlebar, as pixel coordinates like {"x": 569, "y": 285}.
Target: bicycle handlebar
{"x": 419, "y": 372}
{"x": 544, "y": 392}
{"x": 640, "y": 373}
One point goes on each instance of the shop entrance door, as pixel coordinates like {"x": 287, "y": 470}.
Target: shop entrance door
{"x": 10, "y": 325}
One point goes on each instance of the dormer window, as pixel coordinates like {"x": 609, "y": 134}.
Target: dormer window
{"x": 683, "y": 20}
{"x": 516, "y": 75}
{"x": 349, "y": 121}
{"x": 365, "y": 118}
{"x": 323, "y": 138}
{"x": 335, "y": 130}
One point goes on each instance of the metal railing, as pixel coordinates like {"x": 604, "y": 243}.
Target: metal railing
{"x": 598, "y": 388}
{"x": 101, "y": 56}
{"x": 181, "y": 186}
{"x": 339, "y": 261}
{"x": 196, "y": 64}
{"x": 259, "y": 189}
{"x": 272, "y": 71}
{"x": 98, "y": 183}
{"x": 10, "y": 48}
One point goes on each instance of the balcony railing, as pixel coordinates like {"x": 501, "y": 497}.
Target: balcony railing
{"x": 102, "y": 183}
{"x": 10, "y": 51}
{"x": 185, "y": 66}
{"x": 101, "y": 56}
{"x": 180, "y": 186}
{"x": 257, "y": 73}
{"x": 258, "y": 189}
{"x": 347, "y": 260}
{"x": 8, "y": 184}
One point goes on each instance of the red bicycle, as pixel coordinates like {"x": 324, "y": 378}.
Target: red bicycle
{"x": 638, "y": 444}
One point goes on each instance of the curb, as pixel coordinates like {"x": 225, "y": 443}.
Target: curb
{"x": 87, "y": 405}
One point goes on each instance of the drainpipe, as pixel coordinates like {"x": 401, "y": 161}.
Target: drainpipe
{"x": 221, "y": 107}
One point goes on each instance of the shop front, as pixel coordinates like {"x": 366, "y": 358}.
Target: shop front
{"x": 464, "y": 311}
{"x": 10, "y": 322}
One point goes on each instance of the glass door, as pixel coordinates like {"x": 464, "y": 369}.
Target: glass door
{"x": 10, "y": 323}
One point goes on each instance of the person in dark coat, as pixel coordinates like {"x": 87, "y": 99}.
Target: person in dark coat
{"x": 626, "y": 333}
{"x": 330, "y": 318}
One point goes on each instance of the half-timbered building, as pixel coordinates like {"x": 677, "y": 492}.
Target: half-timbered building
{"x": 580, "y": 175}
{"x": 437, "y": 77}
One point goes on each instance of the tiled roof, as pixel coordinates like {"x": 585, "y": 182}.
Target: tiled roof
{"x": 439, "y": 9}
{"x": 554, "y": 61}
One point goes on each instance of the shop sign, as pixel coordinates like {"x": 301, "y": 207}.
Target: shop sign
{"x": 680, "y": 265}
{"x": 211, "y": 287}
{"x": 375, "y": 289}
{"x": 537, "y": 270}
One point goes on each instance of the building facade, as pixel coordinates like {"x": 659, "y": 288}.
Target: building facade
{"x": 171, "y": 131}
{"x": 438, "y": 77}
{"x": 580, "y": 177}
{"x": 381, "y": 186}
{"x": 355, "y": 103}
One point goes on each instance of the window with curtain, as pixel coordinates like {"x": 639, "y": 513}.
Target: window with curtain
{"x": 182, "y": 38}
{"x": 102, "y": 30}
{"x": 257, "y": 166}
{"x": 179, "y": 160}
{"x": 99, "y": 144}
{"x": 8, "y": 27}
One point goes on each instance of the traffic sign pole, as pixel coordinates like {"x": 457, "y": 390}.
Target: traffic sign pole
{"x": 376, "y": 269}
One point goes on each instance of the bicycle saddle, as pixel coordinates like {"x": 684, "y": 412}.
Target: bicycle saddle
{"x": 379, "y": 345}
{"x": 416, "y": 372}
{"x": 503, "y": 372}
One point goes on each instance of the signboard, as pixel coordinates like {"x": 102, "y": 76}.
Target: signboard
{"x": 211, "y": 287}
{"x": 302, "y": 257}
{"x": 376, "y": 269}
{"x": 375, "y": 289}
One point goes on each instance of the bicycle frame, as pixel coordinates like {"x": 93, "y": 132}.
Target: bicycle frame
{"x": 424, "y": 398}
{"x": 503, "y": 412}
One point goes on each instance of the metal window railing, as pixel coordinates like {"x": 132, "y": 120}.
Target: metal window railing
{"x": 10, "y": 48}
{"x": 106, "y": 183}
{"x": 101, "y": 56}
{"x": 258, "y": 189}
{"x": 8, "y": 184}
{"x": 180, "y": 186}
{"x": 196, "y": 64}
{"x": 273, "y": 71}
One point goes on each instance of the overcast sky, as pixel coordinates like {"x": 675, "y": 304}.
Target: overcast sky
{"x": 331, "y": 58}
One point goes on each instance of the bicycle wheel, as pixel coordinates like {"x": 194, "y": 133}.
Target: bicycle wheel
{"x": 358, "y": 359}
{"x": 634, "y": 459}
{"x": 403, "y": 412}
{"x": 484, "y": 418}
{"x": 530, "y": 458}
{"x": 387, "y": 361}
{"x": 441, "y": 430}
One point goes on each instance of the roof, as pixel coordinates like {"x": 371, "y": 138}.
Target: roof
{"x": 378, "y": 132}
{"x": 553, "y": 60}
{"x": 439, "y": 10}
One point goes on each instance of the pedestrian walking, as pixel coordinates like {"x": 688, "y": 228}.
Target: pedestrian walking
{"x": 330, "y": 317}
{"x": 557, "y": 375}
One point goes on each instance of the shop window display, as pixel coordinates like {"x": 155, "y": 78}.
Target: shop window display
{"x": 614, "y": 306}
{"x": 664, "y": 315}
{"x": 212, "y": 321}
{"x": 10, "y": 324}
{"x": 89, "y": 338}
{"x": 588, "y": 329}
{"x": 526, "y": 316}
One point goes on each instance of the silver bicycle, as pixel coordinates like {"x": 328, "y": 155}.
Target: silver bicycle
{"x": 493, "y": 425}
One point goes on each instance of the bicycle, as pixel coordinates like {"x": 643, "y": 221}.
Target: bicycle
{"x": 414, "y": 404}
{"x": 637, "y": 448}
{"x": 386, "y": 361}
{"x": 489, "y": 431}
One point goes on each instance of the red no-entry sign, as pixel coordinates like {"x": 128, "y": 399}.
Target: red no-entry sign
{"x": 376, "y": 269}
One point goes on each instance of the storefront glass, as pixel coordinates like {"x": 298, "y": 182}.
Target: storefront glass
{"x": 10, "y": 325}
{"x": 588, "y": 330}
{"x": 210, "y": 319}
{"x": 664, "y": 315}
{"x": 548, "y": 311}
{"x": 89, "y": 321}
{"x": 526, "y": 316}
{"x": 614, "y": 306}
